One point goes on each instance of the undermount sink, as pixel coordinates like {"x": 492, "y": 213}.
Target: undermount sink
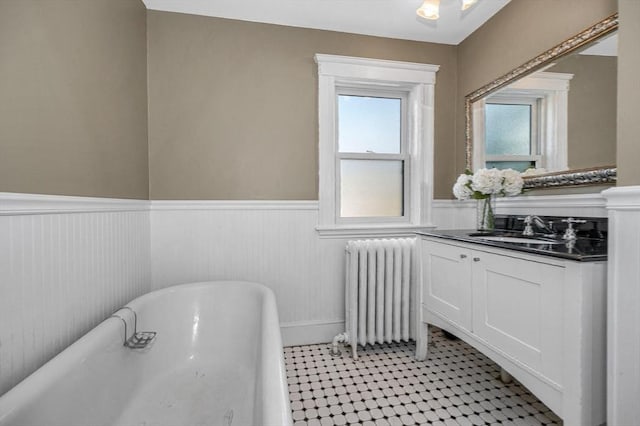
{"x": 518, "y": 240}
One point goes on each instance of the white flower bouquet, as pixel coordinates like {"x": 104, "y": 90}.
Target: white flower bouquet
{"x": 485, "y": 183}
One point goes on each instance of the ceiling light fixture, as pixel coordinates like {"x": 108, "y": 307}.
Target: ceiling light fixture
{"x": 430, "y": 9}
{"x": 466, "y": 4}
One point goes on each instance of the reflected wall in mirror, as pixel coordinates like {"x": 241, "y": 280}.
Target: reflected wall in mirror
{"x": 554, "y": 115}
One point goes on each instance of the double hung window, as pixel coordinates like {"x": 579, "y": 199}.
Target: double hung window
{"x": 375, "y": 145}
{"x": 372, "y": 155}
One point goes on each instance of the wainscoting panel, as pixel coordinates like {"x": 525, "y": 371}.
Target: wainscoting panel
{"x": 455, "y": 214}
{"x": 576, "y": 205}
{"x": 623, "y": 300}
{"x": 66, "y": 263}
{"x": 273, "y": 243}
{"x": 276, "y": 243}
{"x": 63, "y": 273}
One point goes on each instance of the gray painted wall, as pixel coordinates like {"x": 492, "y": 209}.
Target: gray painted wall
{"x": 73, "y": 97}
{"x": 233, "y": 105}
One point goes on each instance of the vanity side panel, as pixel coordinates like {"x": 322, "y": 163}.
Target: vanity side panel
{"x": 585, "y": 343}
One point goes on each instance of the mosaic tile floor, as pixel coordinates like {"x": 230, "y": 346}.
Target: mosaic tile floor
{"x": 456, "y": 385}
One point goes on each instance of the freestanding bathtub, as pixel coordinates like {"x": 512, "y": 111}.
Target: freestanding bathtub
{"x": 216, "y": 360}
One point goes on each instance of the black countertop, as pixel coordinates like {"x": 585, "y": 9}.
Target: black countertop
{"x": 582, "y": 249}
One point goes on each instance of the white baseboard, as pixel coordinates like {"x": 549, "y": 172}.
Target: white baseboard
{"x": 310, "y": 332}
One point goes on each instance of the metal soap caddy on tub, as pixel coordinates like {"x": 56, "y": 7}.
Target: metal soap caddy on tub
{"x": 139, "y": 339}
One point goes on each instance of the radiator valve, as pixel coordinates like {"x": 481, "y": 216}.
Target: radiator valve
{"x": 340, "y": 338}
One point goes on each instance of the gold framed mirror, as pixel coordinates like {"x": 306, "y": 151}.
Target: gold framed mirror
{"x": 560, "y": 177}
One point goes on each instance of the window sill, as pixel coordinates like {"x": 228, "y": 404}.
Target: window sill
{"x": 370, "y": 231}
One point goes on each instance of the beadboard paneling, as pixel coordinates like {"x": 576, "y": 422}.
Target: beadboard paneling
{"x": 576, "y": 205}
{"x": 275, "y": 244}
{"x": 63, "y": 273}
{"x": 67, "y": 262}
{"x": 455, "y": 214}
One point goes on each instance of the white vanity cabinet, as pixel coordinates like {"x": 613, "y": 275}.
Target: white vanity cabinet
{"x": 540, "y": 318}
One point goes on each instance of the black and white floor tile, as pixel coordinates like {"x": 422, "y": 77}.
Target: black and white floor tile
{"x": 456, "y": 385}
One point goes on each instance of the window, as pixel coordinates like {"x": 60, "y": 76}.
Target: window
{"x": 523, "y": 125}
{"x": 512, "y": 130}
{"x": 376, "y": 143}
{"x": 371, "y": 154}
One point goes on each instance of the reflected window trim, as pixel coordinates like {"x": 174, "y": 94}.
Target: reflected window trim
{"x": 551, "y": 91}
{"x": 416, "y": 81}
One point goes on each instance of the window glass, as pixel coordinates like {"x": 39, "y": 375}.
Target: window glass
{"x": 508, "y": 129}
{"x": 369, "y": 124}
{"x": 371, "y": 188}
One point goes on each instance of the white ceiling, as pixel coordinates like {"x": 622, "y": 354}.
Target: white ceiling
{"x": 384, "y": 18}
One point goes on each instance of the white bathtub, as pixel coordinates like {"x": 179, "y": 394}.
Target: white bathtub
{"x": 216, "y": 360}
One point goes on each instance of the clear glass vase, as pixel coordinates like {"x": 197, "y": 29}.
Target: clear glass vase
{"x": 485, "y": 214}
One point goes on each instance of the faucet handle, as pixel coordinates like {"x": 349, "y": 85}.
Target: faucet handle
{"x": 528, "y": 230}
{"x": 571, "y": 221}
{"x": 570, "y": 233}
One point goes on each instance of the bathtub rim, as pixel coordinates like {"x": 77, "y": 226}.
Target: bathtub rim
{"x": 54, "y": 370}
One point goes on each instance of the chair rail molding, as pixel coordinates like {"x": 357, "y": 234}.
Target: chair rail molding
{"x": 12, "y": 204}
{"x": 623, "y": 299}
{"x": 234, "y": 204}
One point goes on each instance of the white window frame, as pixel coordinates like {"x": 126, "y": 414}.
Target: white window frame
{"x": 417, "y": 83}
{"x": 402, "y": 156}
{"x": 551, "y": 91}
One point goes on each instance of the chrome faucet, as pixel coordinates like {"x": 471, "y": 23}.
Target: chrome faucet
{"x": 570, "y": 233}
{"x": 547, "y": 229}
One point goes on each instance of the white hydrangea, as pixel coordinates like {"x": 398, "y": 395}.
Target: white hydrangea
{"x": 461, "y": 188}
{"x": 487, "y": 181}
{"x": 512, "y": 182}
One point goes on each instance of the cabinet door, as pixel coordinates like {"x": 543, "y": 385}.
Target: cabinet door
{"x": 447, "y": 282}
{"x": 517, "y": 308}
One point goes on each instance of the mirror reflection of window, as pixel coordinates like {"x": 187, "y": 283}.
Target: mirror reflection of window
{"x": 511, "y": 135}
{"x": 524, "y": 125}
